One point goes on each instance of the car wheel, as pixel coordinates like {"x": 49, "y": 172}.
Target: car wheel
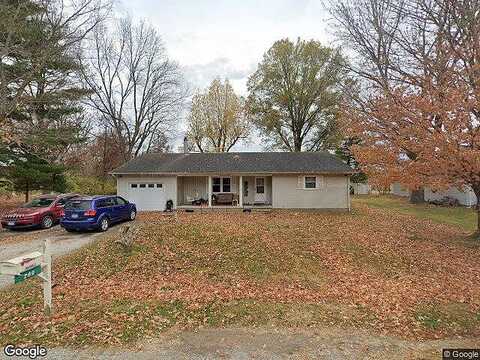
{"x": 70, "y": 230}
{"x": 133, "y": 215}
{"x": 104, "y": 223}
{"x": 47, "y": 222}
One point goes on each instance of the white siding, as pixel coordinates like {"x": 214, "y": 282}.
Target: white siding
{"x": 466, "y": 198}
{"x": 286, "y": 193}
{"x": 169, "y": 190}
{"x": 399, "y": 190}
{"x": 360, "y": 188}
{"x": 192, "y": 187}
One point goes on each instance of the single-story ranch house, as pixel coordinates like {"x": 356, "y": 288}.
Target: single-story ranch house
{"x": 313, "y": 180}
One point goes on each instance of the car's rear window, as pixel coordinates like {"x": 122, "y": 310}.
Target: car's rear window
{"x": 78, "y": 205}
{"x": 39, "y": 202}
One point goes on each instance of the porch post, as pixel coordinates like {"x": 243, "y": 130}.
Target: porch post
{"x": 240, "y": 191}
{"x": 209, "y": 191}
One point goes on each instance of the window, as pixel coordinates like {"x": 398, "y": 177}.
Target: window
{"x": 151, "y": 185}
{"x": 226, "y": 184}
{"x": 260, "y": 184}
{"x": 133, "y": 186}
{"x": 61, "y": 202}
{"x": 110, "y": 202}
{"x": 310, "y": 182}
{"x": 120, "y": 201}
{"x": 160, "y": 186}
{"x": 216, "y": 187}
{"x": 102, "y": 203}
{"x": 78, "y": 205}
{"x": 39, "y": 203}
{"x": 221, "y": 184}
{"x": 143, "y": 185}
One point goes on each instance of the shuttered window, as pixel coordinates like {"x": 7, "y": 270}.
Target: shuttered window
{"x": 310, "y": 182}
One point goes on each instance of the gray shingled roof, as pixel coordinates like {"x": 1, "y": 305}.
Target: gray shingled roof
{"x": 244, "y": 162}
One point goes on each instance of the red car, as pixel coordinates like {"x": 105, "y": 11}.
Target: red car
{"x": 43, "y": 211}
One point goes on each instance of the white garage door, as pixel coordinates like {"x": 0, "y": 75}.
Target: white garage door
{"x": 147, "y": 195}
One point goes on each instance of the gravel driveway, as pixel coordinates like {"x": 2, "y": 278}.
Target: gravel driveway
{"x": 16, "y": 243}
{"x": 271, "y": 343}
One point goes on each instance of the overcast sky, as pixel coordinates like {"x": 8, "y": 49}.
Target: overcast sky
{"x": 228, "y": 38}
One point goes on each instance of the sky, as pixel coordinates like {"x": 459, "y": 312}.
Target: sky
{"x": 227, "y": 38}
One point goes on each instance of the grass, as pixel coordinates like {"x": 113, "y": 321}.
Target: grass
{"x": 382, "y": 267}
{"x": 386, "y": 264}
{"x": 453, "y": 316}
{"x": 464, "y": 218}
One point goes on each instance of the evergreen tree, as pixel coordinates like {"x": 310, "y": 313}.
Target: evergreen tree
{"x": 41, "y": 116}
{"x": 50, "y": 119}
{"x": 29, "y": 172}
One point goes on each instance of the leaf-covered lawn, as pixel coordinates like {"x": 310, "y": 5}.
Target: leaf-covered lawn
{"x": 372, "y": 268}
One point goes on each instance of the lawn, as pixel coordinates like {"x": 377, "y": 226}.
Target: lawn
{"x": 383, "y": 268}
{"x": 463, "y": 217}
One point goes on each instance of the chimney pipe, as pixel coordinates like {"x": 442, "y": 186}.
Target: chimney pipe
{"x": 185, "y": 145}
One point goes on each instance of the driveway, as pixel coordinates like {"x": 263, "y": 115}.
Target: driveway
{"x": 16, "y": 243}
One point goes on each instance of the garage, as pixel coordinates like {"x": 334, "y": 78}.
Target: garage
{"x": 149, "y": 193}
{"x": 146, "y": 195}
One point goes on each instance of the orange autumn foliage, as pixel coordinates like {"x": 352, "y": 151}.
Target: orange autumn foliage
{"x": 423, "y": 136}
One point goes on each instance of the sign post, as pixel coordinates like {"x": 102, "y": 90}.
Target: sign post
{"x": 33, "y": 264}
{"x": 47, "y": 278}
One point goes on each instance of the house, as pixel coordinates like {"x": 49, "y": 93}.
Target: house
{"x": 465, "y": 197}
{"x": 361, "y": 188}
{"x": 314, "y": 180}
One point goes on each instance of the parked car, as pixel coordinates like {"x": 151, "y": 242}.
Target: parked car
{"x": 43, "y": 211}
{"x": 96, "y": 212}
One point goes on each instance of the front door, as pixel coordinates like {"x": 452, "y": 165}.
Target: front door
{"x": 260, "y": 196}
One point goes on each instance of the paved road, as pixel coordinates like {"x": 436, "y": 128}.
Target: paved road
{"x": 16, "y": 243}
{"x": 251, "y": 343}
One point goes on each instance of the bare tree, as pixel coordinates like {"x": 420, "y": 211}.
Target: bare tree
{"x": 394, "y": 43}
{"x": 217, "y": 118}
{"x": 137, "y": 91}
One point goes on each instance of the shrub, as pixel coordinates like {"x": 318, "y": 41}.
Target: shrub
{"x": 90, "y": 185}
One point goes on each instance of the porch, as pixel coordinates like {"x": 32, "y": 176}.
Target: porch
{"x": 224, "y": 191}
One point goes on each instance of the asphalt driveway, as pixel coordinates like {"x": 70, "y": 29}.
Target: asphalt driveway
{"x": 16, "y": 243}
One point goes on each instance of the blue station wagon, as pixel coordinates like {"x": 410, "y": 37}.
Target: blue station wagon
{"x": 96, "y": 212}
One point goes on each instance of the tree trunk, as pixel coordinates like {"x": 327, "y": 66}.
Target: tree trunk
{"x": 417, "y": 196}
{"x": 297, "y": 147}
{"x": 478, "y": 220}
{"x": 476, "y": 190}
{"x": 27, "y": 190}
